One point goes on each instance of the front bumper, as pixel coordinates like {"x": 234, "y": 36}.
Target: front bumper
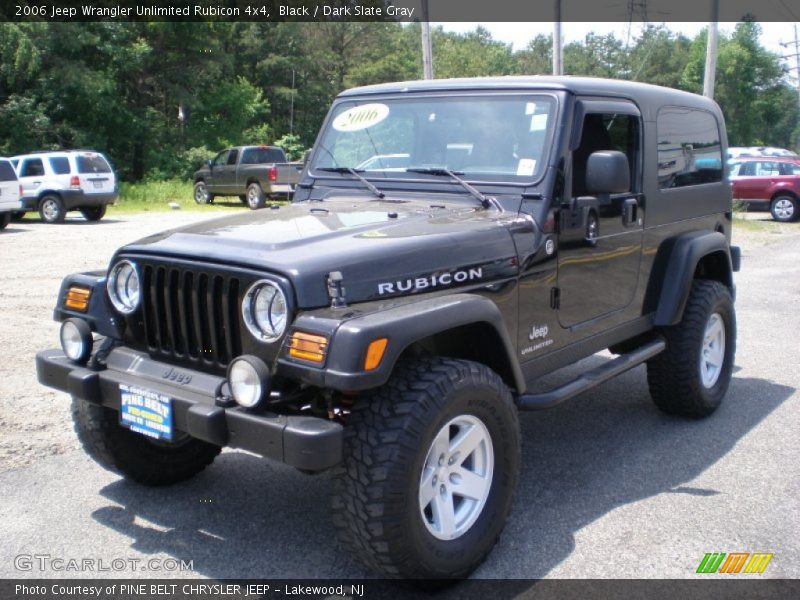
{"x": 304, "y": 442}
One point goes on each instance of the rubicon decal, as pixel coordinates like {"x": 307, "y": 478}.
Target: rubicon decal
{"x": 430, "y": 281}
{"x": 734, "y": 563}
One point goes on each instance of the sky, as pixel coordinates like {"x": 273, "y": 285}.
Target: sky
{"x": 519, "y": 34}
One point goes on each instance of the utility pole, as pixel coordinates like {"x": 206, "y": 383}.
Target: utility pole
{"x": 796, "y": 55}
{"x": 427, "y": 53}
{"x": 558, "y": 52}
{"x": 291, "y": 107}
{"x": 711, "y": 52}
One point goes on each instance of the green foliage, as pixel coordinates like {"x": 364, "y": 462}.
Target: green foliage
{"x": 292, "y": 145}
{"x": 120, "y": 87}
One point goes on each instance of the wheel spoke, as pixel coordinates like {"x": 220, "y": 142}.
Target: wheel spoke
{"x": 465, "y": 443}
{"x": 470, "y": 485}
{"x": 427, "y": 489}
{"x": 444, "y": 515}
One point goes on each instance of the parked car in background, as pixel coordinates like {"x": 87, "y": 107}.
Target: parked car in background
{"x": 10, "y": 192}
{"x": 771, "y": 183}
{"x": 737, "y": 151}
{"x": 253, "y": 173}
{"x": 54, "y": 183}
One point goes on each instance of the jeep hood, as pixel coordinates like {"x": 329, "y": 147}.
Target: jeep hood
{"x": 382, "y": 248}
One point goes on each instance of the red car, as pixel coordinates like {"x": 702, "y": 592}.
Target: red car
{"x": 769, "y": 182}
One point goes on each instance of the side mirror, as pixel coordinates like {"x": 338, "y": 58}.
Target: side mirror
{"x": 608, "y": 172}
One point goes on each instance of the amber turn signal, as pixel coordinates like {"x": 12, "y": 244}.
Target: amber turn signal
{"x": 308, "y": 346}
{"x": 78, "y": 298}
{"x": 375, "y": 352}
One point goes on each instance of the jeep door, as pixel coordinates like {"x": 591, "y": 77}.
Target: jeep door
{"x": 600, "y": 237}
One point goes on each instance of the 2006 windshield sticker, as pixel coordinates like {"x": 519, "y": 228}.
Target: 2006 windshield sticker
{"x": 361, "y": 117}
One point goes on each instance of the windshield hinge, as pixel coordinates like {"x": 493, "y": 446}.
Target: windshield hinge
{"x": 336, "y": 290}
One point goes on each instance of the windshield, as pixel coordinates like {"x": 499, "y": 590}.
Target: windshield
{"x": 493, "y": 138}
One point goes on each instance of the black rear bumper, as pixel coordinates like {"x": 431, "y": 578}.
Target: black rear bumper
{"x": 74, "y": 199}
{"x": 304, "y": 442}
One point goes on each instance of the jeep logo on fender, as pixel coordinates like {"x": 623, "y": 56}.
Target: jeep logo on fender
{"x": 432, "y": 281}
{"x": 176, "y": 376}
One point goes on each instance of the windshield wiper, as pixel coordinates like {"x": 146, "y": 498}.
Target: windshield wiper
{"x": 485, "y": 201}
{"x": 357, "y": 175}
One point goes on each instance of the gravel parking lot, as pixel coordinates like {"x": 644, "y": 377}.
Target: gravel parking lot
{"x": 609, "y": 488}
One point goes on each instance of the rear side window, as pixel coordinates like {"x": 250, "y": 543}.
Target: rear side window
{"x": 7, "y": 171}
{"x": 256, "y": 156}
{"x": 32, "y": 167}
{"x": 790, "y": 169}
{"x": 92, "y": 163}
{"x": 689, "y": 148}
{"x": 60, "y": 165}
{"x": 233, "y": 156}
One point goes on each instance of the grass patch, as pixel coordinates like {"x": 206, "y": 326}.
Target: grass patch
{"x": 156, "y": 196}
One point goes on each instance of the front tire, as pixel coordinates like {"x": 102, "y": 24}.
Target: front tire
{"x": 691, "y": 376}
{"x": 51, "y": 209}
{"x": 784, "y": 208}
{"x": 135, "y": 456}
{"x": 255, "y": 196}
{"x": 94, "y": 213}
{"x": 201, "y": 193}
{"x": 5, "y": 219}
{"x": 431, "y": 463}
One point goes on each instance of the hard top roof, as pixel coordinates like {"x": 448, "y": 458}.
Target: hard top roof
{"x": 585, "y": 86}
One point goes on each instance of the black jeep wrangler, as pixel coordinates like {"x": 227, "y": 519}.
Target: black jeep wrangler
{"x": 449, "y": 243}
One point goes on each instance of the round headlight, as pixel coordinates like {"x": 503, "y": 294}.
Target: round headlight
{"x": 123, "y": 287}
{"x": 248, "y": 378}
{"x": 265, "y": 310}
{"x": 76, "y": 340}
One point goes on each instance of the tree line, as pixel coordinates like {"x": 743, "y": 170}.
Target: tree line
{"x": 158, "y": 98}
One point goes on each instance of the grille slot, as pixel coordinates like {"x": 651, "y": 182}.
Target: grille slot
{"x": 191, "y": 315}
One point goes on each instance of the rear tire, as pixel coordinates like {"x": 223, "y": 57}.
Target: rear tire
{"x": 94, "y": 213}
{"x": 784, "y": 208}
{"x": 5, "y": 219}
{"x": 255, "y": 197}
{"x": 201, "y": 194}
{"x": 135, "y": 456}
{"x": 400, "y": 498}
{"x": 51, "y": 209}
{"x": 691, "y": 376}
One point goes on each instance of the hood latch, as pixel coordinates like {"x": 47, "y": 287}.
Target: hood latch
{"x": 336, "y": 290}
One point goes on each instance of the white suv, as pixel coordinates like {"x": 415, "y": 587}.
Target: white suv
{"x": 10, "y": 192}
{"x": 56, "y": 182}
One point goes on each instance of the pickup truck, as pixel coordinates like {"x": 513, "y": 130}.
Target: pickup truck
{"x": 254, "y": 173}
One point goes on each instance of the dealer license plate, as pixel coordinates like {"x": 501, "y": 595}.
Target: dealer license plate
{"x": 97, "y": 184}
{"x": 145, "y": 412}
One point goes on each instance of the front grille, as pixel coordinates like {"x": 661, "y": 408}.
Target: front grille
{"x": 190, "y": 315}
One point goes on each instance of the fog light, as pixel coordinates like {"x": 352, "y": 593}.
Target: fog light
{"x": 248, "y": 377}
{"x": 76, "y": 340}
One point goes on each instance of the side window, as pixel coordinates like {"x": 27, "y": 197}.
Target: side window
{"x": 232, "y": 156}
{"x": 606, "y": 131}
{"x": 789, "y": 169}
{"x": 689, "y": 149}
{"x": 767, "y": 168}
{"x": 32, "y": 167}
{"x": 221, "y": 158}
{"x": 59, "y": 165}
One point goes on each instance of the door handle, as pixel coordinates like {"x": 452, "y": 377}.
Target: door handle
{"x": 630, "y": 212}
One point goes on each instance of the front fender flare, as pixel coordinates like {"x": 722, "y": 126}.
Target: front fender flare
{"x": 404, "y": 325}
